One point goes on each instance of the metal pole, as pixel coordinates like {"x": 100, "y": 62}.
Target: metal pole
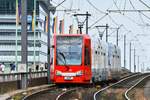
{"x": 117, "y": 37}
{"x": 16, "y": 50}
{"x": 79, "y": 26}
{"x": 86, "y": 22}
{"x": 143, "y": 67}
{"x": 124, "y": 51}
{"x": 130, "y": 57}
{"x": 134, "y": 61}
{"x": 138, "y": 62}
{"x": 34, "y": 14}
{"x": 48, "y": 47}
{"x": 106, "y": 32}
{"x": 24, "y": 40}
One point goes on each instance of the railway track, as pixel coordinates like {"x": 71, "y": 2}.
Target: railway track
{"x": 80, "y": 93}
{"x": 68, "y": 93}
{"x": 53, "y": 93}
{"x": 47, "y": 94}
{"x": 116, "y": 91}
{"x": 132, "y": 92}
{"x": 65, "y": 93}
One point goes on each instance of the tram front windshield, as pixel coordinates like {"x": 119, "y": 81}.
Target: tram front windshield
{"x": 69, "y": 50}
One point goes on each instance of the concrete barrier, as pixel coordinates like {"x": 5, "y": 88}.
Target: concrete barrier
{"x": 14, "y": 81}
{"x": 15, "y": 85}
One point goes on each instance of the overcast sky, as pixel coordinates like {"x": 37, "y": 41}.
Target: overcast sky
{"x": 134, "y": 24}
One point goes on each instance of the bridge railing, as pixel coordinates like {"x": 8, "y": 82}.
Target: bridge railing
{"x": 18, "y": 76}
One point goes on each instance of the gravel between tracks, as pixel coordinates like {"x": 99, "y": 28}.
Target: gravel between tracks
{"x": 80, "y": 94}
{"x": 141, "y": 91}
{"x": 116, "y": 92}
{"x": 50, "y": 94}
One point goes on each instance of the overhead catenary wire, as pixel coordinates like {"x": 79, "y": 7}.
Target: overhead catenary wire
{"x": 113, "y": 20}
{"x": 124, "y": 5}
{"x": 131, "y": 20}
{"x": 98, "y": 20}
{"x": 120, "y": 3}
{"x": 110, "y": 34}
{"x": 125, "y": 10}
{"x": 135, "y": 10}
{"x": 117, "y": 23}
{"x": 134, "y": 21}
{"x": 78, "y": 4}
{"x": 95, "y": 7}
{"x": 138, "y": 12}
{"x": 145, "y": 15}
{"x": 144, "y": 4}
{"x": 115, "y": 3}
{"x": 135, "y": 36}
{"x": 123, "y": 15}
{"x": 141, "y": 18}
{"x": 132, "y": 4}
{"x": 100, "y": 32}
{"x": 60, "y": 3}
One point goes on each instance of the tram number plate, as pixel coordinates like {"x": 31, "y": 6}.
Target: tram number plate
{"x": 68, "y": 78}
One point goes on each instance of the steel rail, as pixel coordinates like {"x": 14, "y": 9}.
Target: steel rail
{"x": 63, "y": 93}
{"x": 37, "y": 92}
{"x": 95, "y": 94}
{"x": 127, "y": 91}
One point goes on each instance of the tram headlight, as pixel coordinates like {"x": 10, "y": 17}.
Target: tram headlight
{"x": 79, "y": 73}
{"x": 58, "y": 73}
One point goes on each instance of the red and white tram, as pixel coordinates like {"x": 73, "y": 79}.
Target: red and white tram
{"x": 77, "y": 59}
{"x": 72, "y": 59}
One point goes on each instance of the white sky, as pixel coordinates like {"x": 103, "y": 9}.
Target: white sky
{"x": 135, "y": 22}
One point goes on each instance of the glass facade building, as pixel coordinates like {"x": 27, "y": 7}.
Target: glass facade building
{"x": 8, "y": 33}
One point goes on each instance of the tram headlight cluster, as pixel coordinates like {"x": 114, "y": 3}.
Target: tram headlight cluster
{"x": 58, "y": 73}
{"x": 79, "y": 73}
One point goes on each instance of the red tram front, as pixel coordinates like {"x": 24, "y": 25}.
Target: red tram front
{"x": 72, "y": 59}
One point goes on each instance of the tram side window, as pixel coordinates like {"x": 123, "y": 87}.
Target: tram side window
{"x": 87, "y": 57}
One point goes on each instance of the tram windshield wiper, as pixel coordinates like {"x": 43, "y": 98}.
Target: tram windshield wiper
{"x": 64, "y": 62}
{"x": 63, "y": 57}
{"x": 60, "y": 55}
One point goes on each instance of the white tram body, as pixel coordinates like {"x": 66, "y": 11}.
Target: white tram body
{"x": 106, "y": 61}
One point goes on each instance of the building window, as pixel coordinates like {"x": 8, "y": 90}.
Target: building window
{"x": 13, "y": 43}
{"x": 12, "y": 53}
{"x": 9, "y": 6}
